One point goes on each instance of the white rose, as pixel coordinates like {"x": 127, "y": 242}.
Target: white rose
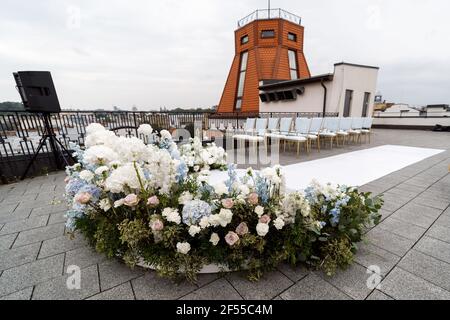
{"x": 194, "y": 230}
{"x": 104, "y": 204}
{"x": 171, "y": 215}
{"x": 214, "y": 239}
{"x": 278, "y": 223}
{"x": 225, "y": 217}
{"x": 86, "y": 175}
{"x": 185, "y": 197}
{"x": 220, "y": 188}
{"x": 183, "y": 247}
{"x": 204, "y": 222}
{"x": 99, "y": 171}
{"x": 262, "y": 229}
{"x": 259, "y": 211}
{"x": 119, "y": 203}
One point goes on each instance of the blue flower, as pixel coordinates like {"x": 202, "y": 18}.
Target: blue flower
{"x": 182, "y": 171}
{"x": 335, "y": 215}
{"x": 262, "y": 189}
{"x": 310, "y": 195}
{"x": 194, "y": 211}
{"x": 74, "y": 186}
{"x": 232, "y": 177}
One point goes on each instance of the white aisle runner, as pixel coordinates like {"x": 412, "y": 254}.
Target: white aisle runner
{"x": 352, "y": 169}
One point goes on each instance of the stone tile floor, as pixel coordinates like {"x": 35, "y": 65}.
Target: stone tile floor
{"x": 411, "y": 245}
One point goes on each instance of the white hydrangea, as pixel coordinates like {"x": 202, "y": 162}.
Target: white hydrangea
{"x": 183, "y": 247}
{"x": 278, "y": 223}
{"x": 123, "y": 177}
{"x": 100, "y": 170}
{"x": 220, "y": 188}
{"x": 171, "y": 215}
{"x": 185, "y": 197}
{"x": 94, "y": 127}
{"x": 104, "y": 137}
{"x": 145, "y": 129}
{"x": 86, "y": 175}
{"x": 194, "y": 230}
{"x": 100, "y": 155}
{"x": 223, "y": 218}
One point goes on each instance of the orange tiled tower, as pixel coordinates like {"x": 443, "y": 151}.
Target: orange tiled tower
{"x": 268, "y": 46}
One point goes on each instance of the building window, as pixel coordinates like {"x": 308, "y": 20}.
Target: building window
{"x": 241, "y": 80}
{"x": 268, "y": 34}
{"x": 244, "y": 39}
{"x": 292, "y": 36}
{"x": 348, "y": 102}
{"x": 366, "y": 104}
{"x": 293, "y": 68}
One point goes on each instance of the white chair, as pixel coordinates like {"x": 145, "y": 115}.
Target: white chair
{"x": 367, "y": 127}
{"x": 314, "y": 129}
{"x": 345, "y": 125}
{"x": 249, "y": 127}
{"x": 330, "y": 129}
{"x": 222, "y": 127}
{"x": 356, "y": 130}
{"x": 273, "y": 125}
{"x": 285, "y": 128}
{"x": 213, "y": 126}
{"x": 300, "y": 134}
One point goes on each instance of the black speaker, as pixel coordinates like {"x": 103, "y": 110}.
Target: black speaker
{"x": 37, "y": 91}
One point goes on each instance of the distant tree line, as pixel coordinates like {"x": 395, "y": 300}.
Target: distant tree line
{"x": 11, "y": 106}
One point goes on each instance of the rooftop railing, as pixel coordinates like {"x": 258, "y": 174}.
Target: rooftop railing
{"x": 263, "y": 14}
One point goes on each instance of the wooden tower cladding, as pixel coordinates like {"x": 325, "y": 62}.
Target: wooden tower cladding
{"x": 265, "y": 49}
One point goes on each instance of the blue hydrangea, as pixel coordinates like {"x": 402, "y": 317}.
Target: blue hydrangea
{"x": 232, "y": 177}
{"x": 310, "y": 195}
{"x": 94, "y": 191}
{"x": 335, "y": 215}
{"x": 262, "y": 189}
{"x": 182, "y": 171}
{"x": 194, "y": 211}
{"x": 74, "y": 186}
{"x": 72, "y": 216}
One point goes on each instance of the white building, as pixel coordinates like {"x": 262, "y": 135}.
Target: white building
{"x": 398, "y": 110}
{"x": 349, "y": 91}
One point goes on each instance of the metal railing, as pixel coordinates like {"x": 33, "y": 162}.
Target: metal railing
{"x": 263, "y": 14}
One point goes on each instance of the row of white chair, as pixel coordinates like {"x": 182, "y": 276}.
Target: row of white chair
{"x": 305, "y": 131}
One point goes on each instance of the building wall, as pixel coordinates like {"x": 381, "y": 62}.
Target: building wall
{"x": 358, "y": 79}
{"x": 267, "y": 59}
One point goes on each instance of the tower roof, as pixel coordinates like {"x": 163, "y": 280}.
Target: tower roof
{"x": 265, "y": 14}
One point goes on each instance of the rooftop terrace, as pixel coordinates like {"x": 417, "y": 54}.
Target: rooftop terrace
{"x": 411, "y": 245}
{"x": 264, "y": 14}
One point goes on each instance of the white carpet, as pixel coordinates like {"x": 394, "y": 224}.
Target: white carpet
{"x": 352, "y": 169}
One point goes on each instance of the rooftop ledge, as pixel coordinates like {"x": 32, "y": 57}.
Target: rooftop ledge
{"x": 264, "y": 14}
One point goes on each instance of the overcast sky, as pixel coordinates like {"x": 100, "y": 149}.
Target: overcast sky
{"x": 177, "y": 53}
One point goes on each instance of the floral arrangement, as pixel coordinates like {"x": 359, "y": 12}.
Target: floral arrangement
{"x": 140, "y": 202}
{"x": 198, "y": 158}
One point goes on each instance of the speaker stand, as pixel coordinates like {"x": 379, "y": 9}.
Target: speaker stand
{"x": 56, "y": 146}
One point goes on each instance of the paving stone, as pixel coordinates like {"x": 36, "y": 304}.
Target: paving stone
{"x": 438, "y": 232}
{"x": 14, "y": 216}
{"x": 56, "y": 289}
{"x": 378, "y": 295}
{"x": 7, "y": 241}
{"x": 389, "y": 241}
{"x": 121, "y": 292}
{"x": 26, "y": 224}
{"x": 402, "y": 228}
{"x": 152, "y": 287}
{"x": 24, "y": 294}
{"x": 268, "y": 287}
{"x": 60, "y": 244}
{"x": 352, "y": 281}
{"x": 393, "y": 202}
{"x": 443, "y": 221}
{"x": 418, "y": 215}
{"x": 48, "y": 208}
{"x": 294, "y": 273}
{"x": 57, "y": 218}
{"x": 220, "y": 289}
{"x": 370, "y": 255}
{"x": 402, "y": 285}
{"x": 30, "y": 274}
{"x": 18, "y": 256}
{"x": 435, "y": 248}
{"x": 113, "y": 273}
{"x": 39, "y": 234}
{"x": 428, "y": 268}
{"x": 313, "y": 287}
{"x": 7, "y": 208}
{"x": 432, "y": 202}
{"x": 83, "y": 257}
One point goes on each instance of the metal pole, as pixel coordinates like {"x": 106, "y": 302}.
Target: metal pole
{"x": 268, "y": 9}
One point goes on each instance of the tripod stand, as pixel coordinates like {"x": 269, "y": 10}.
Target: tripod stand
{"x": 56, "y": 146}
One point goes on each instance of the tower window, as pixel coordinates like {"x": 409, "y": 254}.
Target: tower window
{"x": 292, "y": 36}
{"x": 241, "y": 80}
{"x": 244, "y": 39}
{"x": 293, "y": 68}
{"x": 268, "y": 34}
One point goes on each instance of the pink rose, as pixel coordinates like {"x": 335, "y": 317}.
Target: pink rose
{"x": 253, "y": 198}
{"x": 66, "y": 179}
{"x": 83, "y": 197}
{"x": 131, "y": 200}
{"x": 231, "y": 238}
{"x": 242, "y": 229}
{"x": 156, "y": 225}
{"x": 264, "y": 219}
{"x": 153, "y": 201}
{"x": 228, "y": 203}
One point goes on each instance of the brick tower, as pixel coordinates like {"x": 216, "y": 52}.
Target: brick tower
{"x": 268, "y": 46}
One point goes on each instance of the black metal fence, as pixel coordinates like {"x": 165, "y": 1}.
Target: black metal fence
{"x": 21, "y": 132}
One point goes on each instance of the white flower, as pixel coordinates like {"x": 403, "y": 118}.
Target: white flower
{"x": 105, "y": 138}
{"x": 185, "y": 197}
{"x": 86, "y": 175}
{"x": 278, "y": 223}
{"x": 100, "y": 155}
{"x": 194, "y": 230}
{"x": 122, "y": 177}
{"x": 183, "y": 247}
{"x": 104, "y": 204}
{"x": 94, "y": 127}
{"x": 99, "y": 171}
{"x": 224, "y": 217}
{"x": 220, "y": 189}
{"x": 259, "y": 211}
{"x": 244, "y": 190}
{"x": 262, "y": 229}
{"x": 119, "y": 203}
{"x": 145, "y": 129}
{"x": 204, "y": 222}
{"x": 214, "y": 239}
{"x": 165, "y": 135}
{"x": 172, "y": 215}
